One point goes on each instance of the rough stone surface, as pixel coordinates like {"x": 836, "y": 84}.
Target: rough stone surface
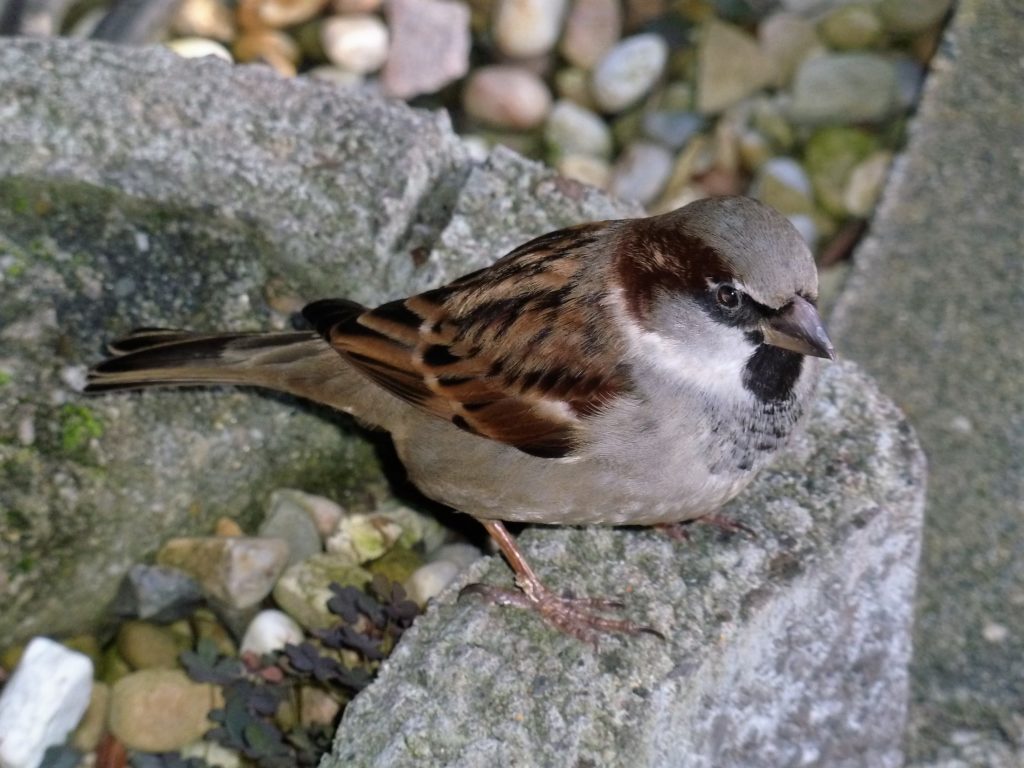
{"x": 934, "y": 309}
{"x": 137, "y": 188}
{"x": 789, "y": 648}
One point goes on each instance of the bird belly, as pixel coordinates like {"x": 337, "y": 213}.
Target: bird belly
{"x": 659, "y": 475}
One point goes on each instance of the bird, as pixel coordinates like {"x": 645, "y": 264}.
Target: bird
{"x": 623, "y": 372}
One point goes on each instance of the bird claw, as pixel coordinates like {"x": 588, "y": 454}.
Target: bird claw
{"x": 681, "y": 531}
{"x": 579, "y": 617}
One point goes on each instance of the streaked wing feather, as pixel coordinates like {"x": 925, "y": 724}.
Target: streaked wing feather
{"x": 483, "y": 352}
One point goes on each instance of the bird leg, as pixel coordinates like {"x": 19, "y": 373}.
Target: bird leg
{"x": 579, "y": 617}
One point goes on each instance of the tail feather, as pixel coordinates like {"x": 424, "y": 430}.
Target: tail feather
{"x": 300, "y": 363}
{"x": 149, "y": 357}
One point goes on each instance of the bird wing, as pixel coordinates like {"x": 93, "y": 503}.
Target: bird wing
{"x": 520, "y": 352}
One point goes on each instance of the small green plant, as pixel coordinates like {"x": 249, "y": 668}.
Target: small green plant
{"x": 256, "y": 688}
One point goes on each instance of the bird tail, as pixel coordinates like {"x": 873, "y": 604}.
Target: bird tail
{"x": 300, "y": 363}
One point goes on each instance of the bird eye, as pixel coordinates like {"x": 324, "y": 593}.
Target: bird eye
{"x": 727, "y": 296}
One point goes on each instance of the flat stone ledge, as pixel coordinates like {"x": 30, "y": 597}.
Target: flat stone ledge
{"x": 788, "y": 648}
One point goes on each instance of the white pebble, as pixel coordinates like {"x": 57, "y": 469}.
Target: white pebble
{"x": 527, "y": 28}
{"x": 356, "y": 43}
{"x": 198, "y": 47}
{"x": 575, "y": 130}
{"x": 629, "y": 71}
{"x": 42, "y": 702}
{"x": 270, "y": 631}
{"x": 428, "y": 580}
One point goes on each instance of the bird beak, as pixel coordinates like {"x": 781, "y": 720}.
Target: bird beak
{"x": 798, "y": 328}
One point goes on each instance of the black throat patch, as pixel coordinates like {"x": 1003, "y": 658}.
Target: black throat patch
{"x": 771, "y": 373}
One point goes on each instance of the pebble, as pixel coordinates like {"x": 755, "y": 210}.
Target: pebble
{"x": 505, "y": 96}
{"x": 673, "y": 129}
{"x": 363, "y": 537}
{"x": 198, "y": 47}
{"x": 160, "y": 710}
{"x": 356, "y": 6}
{"x": 42, "y": 702}
{"x": 910, "y": 75}
{"x": 573, "y": 84}
{"x": 270, "y": 46}
{"x": 524, "y": 29}
{"x": 317, "y": 706}
{"x": 93, "y": 725}
{"x": 208, "y": 626}
{"x": 783, "y": 184}
{"x": 270, "y": 631}
{"x": 337, "y": 76}
{"x": 157, "y": 593}
{"x": 591, "y": 29}
{"x": 397, "y": 565}
{"x": 830, "y": 156}
{"x": 238, "y": 572}
{"x": 851, "y": 27}
{"x": 787, "y": 39}
{"x": 429, "y": 46}
{"x": 585, "y": 169}
{"x": 302, "y": 591}
{"x": 629, "y": 71}
{"x": 428, "y": 580}
{"x": 866, "y": 183}
{"x": 148, "y": 646}
{"x": 806, "y": 226}
{"x": 204, "y": 18}
{"x": 253, "y": 14}
{"x": 641, "y": 172}
{"x": 418, "y": 530}
{"x": 226, "y": 526}
{"x": 754, "y": 149}
{"x": 324, "y": 512}
{"x": 293, "y": 524}
{"x": 575, "y": 130}
{"x": 460, "y": 553}
{"x": 358, "y": 43}
{"x": 213, "y": 754}
{"x": 730, "y": 67}
{"x": 909, "y": 17}
{"x": 844, "y": 88}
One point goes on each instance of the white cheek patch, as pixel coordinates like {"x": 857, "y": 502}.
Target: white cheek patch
{"x": 714, "y": 362}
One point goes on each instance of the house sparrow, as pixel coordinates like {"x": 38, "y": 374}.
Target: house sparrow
{"x": 629, "y": 372}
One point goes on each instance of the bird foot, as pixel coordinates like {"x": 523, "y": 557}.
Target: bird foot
{"x": 582, "y": 617}
{"x": 681, "y": 531}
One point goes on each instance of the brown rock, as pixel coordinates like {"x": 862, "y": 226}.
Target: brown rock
{"x": 269, "y": 46}
{"x": 238, "y": 572}
{"x": 253, "y": 14}
{"x": 161, "y": 710}
{"x": 86, "y": 737}
{"x": 148, "y": 646}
